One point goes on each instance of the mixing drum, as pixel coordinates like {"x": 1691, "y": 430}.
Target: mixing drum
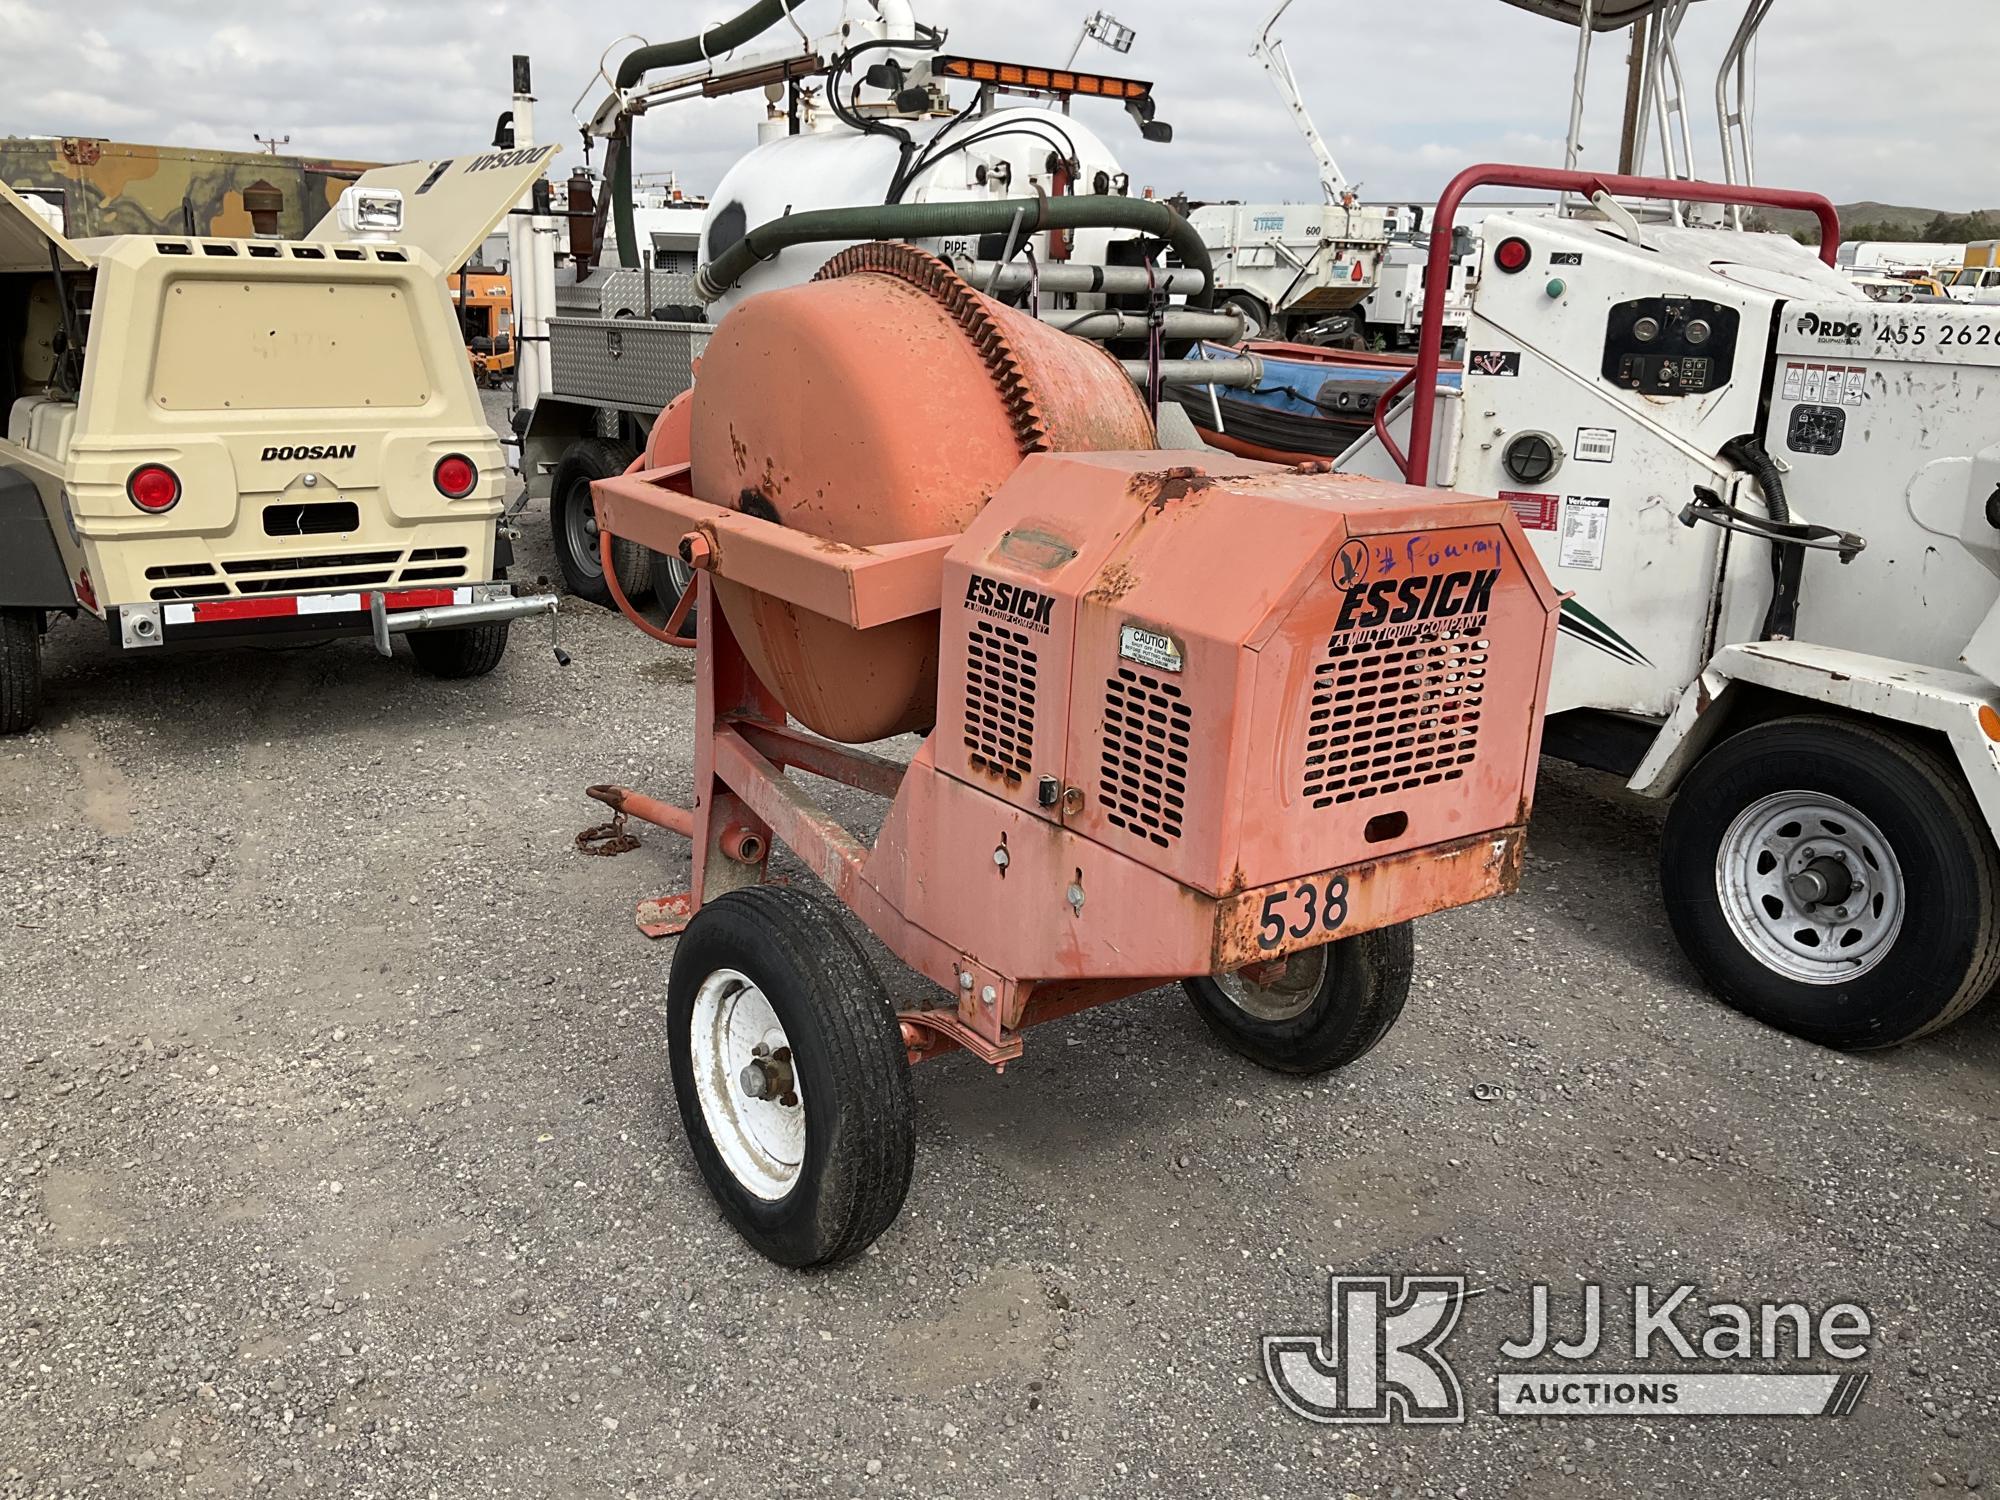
{"x": 884, "y": 403}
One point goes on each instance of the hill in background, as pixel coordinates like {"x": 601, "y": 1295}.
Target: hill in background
{"x": 1869, "y": 220}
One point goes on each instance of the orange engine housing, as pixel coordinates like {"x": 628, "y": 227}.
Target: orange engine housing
{"x": 1237, "y": 673}
{"x": 884, "y": 402}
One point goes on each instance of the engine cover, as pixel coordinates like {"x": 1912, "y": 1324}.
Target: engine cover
{"x": 1236, "y": 673}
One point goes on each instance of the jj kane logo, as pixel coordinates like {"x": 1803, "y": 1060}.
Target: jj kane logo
{"x": 1827, "y": 330}
{"x": 1009, "y": 601}
{"x": 309, "y": 452}
{"x": 1379, "y": 1360}
{"x": 1382, "y": 1359}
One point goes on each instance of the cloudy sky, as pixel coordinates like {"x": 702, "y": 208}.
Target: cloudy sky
{"x": 1858, "y": 99}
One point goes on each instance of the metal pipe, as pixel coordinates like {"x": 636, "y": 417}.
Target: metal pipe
{"x": 1734, "y": 104}
{"x": 1176, "y": 323}
{"x": 1244, "y": 371}
{"x": 995, "y": 277}
{"x": 927, "y": 221}
{"x": 1573, "y": 145}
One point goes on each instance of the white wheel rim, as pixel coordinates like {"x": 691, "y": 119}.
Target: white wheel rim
{"x": 1810, "y": 887}
{"x": 1281, "y": 990}
{"x": 761, "y": 1140}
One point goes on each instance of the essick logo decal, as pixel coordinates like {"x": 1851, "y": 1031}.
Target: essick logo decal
{"x": 1007, "y": 601}
{"x": 311, "y": 452}
{"x": 1420, "y": 597}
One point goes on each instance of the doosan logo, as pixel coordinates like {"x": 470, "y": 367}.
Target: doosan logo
{"x": 1827, "y": 330}
{"x": 314, "y": 452}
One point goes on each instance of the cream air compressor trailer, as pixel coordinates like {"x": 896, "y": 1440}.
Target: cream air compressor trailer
{"x": 209, "y": 439}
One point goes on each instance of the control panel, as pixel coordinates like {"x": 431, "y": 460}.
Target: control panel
{"x": 1670, "y": 346}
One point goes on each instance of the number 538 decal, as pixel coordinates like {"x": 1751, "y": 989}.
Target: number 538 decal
{"x": 1314, "y": 905}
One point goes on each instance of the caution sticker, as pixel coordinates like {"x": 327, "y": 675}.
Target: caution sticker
{"x": 1149, "y": 648}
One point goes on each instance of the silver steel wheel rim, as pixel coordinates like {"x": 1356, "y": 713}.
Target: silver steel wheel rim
{"x": 680, "y": 577}
{"x": 1810, "y": 887}
{"x": 580, "y": 523}
{"x": 1284, "y": 989}
{"x": 761, "y": 1141}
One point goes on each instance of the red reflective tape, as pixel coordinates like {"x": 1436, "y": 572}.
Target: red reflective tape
{"x": 244, "y": 609}
{"x": 272, "y": 606}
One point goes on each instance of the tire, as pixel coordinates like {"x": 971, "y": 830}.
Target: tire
{"x": 20, "y": 670}
{"x": 471, "y": 651}
{"x": 573, "y": 526}
{"x": 1327, "y": 1006}
{"x": 814, "y": 1181}
{"x": 1886, "y": 827}
{"x": 1256, "y": 320}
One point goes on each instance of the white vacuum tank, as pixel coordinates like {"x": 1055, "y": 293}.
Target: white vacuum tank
{"x": 1004, "y": 154}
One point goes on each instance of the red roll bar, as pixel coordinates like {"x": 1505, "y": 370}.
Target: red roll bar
{"x": 1417, "y": 463}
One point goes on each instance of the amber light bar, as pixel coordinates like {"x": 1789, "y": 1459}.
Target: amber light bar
{"x": 1054, "y": 80}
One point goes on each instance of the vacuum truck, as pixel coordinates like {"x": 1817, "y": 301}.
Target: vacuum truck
{"x": 875, "y": 112}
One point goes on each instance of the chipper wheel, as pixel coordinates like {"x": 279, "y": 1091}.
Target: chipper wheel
{"x": 1316, "y": 1010}
{"x": 1835, "y": 881}
{"x": 791, "y": 1074}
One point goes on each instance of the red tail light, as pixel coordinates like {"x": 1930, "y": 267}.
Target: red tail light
{"x": 154, "y": 488}
{"x": 455, "y": 476}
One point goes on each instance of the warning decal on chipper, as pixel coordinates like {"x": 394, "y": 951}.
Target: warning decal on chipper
{"x": 1009, "y": 602}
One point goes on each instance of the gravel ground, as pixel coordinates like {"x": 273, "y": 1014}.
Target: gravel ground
{"x": 337, "y": 1155}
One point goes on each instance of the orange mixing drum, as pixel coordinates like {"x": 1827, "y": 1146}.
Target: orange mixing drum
{"x": 885, "y": 403}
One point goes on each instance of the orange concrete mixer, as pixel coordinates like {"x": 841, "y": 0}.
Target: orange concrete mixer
{"x": 1189, "y": 718}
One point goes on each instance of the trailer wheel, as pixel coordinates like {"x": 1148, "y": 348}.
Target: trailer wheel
{"x": 573, "y": 526}
{"x": 791, "y": 1075}
{"x": 470, "y": 651}
{"x": 1315, "y": 1010}
{"x": 1835, "y": 881}
{"x": 20, "y": 670}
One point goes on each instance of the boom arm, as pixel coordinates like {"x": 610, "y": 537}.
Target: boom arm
{"x": 1270, "y": 51}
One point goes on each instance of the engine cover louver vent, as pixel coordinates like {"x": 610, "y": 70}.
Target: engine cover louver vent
{"x": 1000, "y": 701}
{"x": 1142, "y": 783}
{"x": 1389, "y": 718}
